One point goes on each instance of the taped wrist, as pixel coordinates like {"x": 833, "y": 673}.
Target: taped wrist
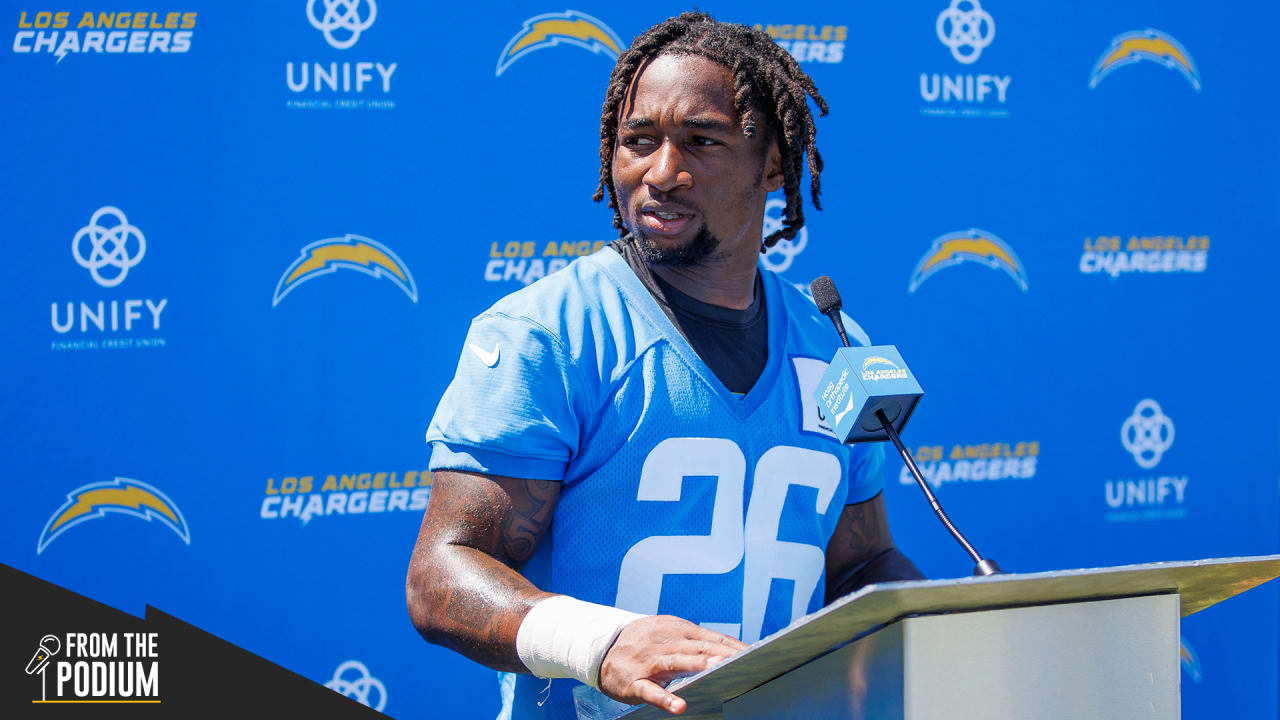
{"x": 562, "y": 637}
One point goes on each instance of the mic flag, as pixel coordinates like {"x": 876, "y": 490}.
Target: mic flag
{"x": 858, "y": 382}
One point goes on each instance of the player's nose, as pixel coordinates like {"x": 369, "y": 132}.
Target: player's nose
{"x": 667, "y": 171}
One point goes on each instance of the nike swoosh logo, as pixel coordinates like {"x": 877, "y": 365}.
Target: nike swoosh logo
{"x": 488, "y": 357}
{"x": 836, "y": 420}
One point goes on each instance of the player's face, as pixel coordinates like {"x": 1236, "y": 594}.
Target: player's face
{"x": 689, "y": 182}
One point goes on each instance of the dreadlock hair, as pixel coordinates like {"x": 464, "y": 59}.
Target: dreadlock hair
{"x": 765, "y": 77}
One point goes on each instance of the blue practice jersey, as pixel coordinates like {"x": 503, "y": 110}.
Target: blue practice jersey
{"x": 679, "y": 497}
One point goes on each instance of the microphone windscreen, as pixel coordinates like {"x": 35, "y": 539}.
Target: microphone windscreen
{"x": 825, "y": 294}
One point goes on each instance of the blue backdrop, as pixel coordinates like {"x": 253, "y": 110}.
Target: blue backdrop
{"x": 248, "y": 239}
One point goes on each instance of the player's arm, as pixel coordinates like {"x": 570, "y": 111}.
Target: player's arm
{"x": 862, "y": 552}
{"x": 463, "y": 589}
{"x": 464, "y": 592}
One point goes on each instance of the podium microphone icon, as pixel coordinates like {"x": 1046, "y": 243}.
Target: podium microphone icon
{"x": 49, "y": 646}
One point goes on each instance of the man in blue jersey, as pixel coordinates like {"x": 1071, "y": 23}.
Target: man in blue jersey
{"x": 651, "y": 405}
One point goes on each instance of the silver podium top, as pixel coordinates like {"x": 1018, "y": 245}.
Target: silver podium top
{"x": 1199, "y": 584}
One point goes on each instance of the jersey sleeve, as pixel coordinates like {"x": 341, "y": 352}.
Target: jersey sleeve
{"x": 514, "y": 405}
{"x": 866, "y": 477}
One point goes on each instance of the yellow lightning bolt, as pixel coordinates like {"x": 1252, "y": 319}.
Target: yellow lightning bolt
{"x": 877, "y": 360}
{"x": 130, "y": 496}
{"x": 1153, "y": 45}
{"x": 975, "y": 246}
{"x": 579, "y": 29}
{"x": 361, "y": 253}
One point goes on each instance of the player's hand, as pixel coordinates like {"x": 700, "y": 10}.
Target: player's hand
{"x": 652, "y": 651}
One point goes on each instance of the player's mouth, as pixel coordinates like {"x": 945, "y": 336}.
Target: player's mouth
{"x": 666, "y": 219}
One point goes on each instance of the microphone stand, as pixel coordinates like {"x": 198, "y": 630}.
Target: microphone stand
{"x": 985, "y": 566}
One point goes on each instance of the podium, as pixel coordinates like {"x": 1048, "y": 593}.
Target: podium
{"x": 1095, "y": 643}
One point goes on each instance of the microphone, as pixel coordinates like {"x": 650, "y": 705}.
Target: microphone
{"x": 49, "y": 646}
{"x": 876, "y": 383}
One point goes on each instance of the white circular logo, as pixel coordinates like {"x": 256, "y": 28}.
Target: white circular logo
{"x": 1147, "y": 433}
{"x": 342, "y": 15}
{"x": 966, "y": 25}
{"x": 108, "y": 246}
{"x": 352, "y": 679}
{"x": 779, "y": 257}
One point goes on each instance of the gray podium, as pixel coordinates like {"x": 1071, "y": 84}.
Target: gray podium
{"x": 1097, "y": 643}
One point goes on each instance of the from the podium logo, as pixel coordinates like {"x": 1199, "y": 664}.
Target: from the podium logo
{"x": 89, "y": 668}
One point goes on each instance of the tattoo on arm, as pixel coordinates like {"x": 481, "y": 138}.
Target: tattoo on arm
{"x": 463, "y": 589}
{"x": 862, "y": 534}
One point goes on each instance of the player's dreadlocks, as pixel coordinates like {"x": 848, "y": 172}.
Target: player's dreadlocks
{"x": 765, "y": 77}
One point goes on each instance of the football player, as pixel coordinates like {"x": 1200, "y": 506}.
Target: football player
{"x": 632, "y": 481}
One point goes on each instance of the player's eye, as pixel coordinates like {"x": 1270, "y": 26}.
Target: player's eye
{"x": 700, "y": 141}
{"x": 638, "y": 141}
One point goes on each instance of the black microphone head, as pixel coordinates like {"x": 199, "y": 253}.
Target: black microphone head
{"x": 825, "y": 295}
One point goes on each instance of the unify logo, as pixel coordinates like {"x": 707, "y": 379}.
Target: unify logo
{"x": 109, "y": 246}
{"x": 1147, "y": 434}
{"x": 972, "y": 245}
{"x": 548, "y": 30}
{"x": 966, "y": 29}
{"x": 98, "y": 668}
{"x": 121, "y": 496}
{"x": 1146, "y": 254}
{"x": 104, "y": 32}
{"x": 342, "y": 85}
{"x": 1150, "y": 45}
{"x": 342, "y": 16}
{"x": 353, "y": 679}
{"x": 349, "y": 252}
{"x": 779, "y": 257}
{"x": 810, "y": 43}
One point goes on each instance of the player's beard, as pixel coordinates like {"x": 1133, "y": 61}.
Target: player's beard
{"x": 693, "y": 252}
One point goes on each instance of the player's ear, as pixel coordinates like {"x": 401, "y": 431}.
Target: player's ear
{"x": 773, "y": 176}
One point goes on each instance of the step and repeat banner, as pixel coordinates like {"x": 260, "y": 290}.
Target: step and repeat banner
{"x": 247, "y": 240}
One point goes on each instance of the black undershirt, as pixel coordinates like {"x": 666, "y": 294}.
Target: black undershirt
{"x": 734, "y": 344}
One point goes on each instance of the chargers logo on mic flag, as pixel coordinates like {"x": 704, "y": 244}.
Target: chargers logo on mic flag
{"x": 122, "y": 495}
{"x": 552, "y": 29}
{"x": 1150, "y": 44}
{"x": 861, "y": 381}
{"x": 972, "y": 245}
{"x": 350, "y": 252}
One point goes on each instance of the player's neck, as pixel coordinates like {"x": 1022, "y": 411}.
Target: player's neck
{"x": 727, "y": 281}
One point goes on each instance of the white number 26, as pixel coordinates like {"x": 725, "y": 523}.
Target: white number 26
{"x": 730, "y": 539}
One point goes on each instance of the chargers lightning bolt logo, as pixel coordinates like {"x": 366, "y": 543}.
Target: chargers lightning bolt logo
{"x": 122, "y": 495}
{"x": 350, "y": 252}
{"x": 1150, "y": 44}
{"x": 550, "y": 29}
{"x": 972, "y": 245}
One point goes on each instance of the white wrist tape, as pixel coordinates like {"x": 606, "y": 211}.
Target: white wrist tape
{"x": 562, "y": 637}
